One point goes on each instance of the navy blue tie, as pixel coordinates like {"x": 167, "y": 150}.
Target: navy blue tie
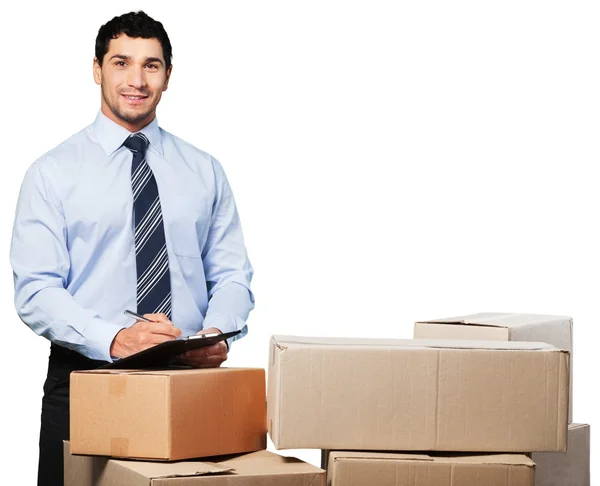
{"x": 152, "y": 261}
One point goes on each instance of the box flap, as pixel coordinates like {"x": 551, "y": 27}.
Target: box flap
{"x": 285, "y": 342}
{"x": 267, "y": 463}
{"x": 502, "y": 459}
{"x": 492, "y": 319}
{"x": 397, "y": 456}
{"x": 452, "y": 458}
{"x": 155, "y": 470}
{"x": 497, "y": 319}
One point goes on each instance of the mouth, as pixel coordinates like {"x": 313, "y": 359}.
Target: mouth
{"x": 134, "y": 99}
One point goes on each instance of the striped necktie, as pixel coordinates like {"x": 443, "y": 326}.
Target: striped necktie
{"x": 152, "y": 262}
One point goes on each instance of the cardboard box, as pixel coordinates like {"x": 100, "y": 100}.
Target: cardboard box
{"x": 571, "y": 468}
{"x": 554, "y": 330}
{"x": 254, "y": 469}
{"x": 168, "y": 415}
{"x": 413, "y": 395}
{"x": 366, "y": 469}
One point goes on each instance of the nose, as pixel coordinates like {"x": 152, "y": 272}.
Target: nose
{"x": 135, "y": 77}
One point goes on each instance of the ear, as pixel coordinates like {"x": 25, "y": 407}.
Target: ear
{"x": 97, "y": 72}
{"x": 166, "y": 85}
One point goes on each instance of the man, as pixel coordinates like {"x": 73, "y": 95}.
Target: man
{"x": 124, "y": 215}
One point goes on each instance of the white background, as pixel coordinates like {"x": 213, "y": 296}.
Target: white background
{"x": 391, "y": 162}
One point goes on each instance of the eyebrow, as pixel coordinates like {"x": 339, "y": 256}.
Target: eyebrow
{"x": 127, "y": 58}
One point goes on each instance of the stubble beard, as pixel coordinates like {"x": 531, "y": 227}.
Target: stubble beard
{"x": 132, "y": 118}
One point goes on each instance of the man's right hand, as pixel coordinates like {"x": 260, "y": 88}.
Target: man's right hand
{"x": 143, "y": 335}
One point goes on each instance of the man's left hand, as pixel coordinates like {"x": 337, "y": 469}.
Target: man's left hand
{"x": 209, "y": 357}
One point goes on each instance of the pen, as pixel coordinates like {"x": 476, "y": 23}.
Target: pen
{"x": 137, "y": 316}
{"x": 188, "y": 338}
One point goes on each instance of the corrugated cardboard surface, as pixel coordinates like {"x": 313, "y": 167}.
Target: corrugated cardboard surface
{"x": 254, "y": 469}
{"x": 366, "y": 469}
{"x": 176, "y": 414}
{"x": 417, "y": 395}
{"x": 554, "y": 330}
{"x": 571, "y": 468}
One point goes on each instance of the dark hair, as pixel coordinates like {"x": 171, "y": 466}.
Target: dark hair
{"x": 133, "y": 24}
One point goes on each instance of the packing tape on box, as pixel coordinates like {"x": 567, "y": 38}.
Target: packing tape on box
{"x": 119, "y": 446}
{"x": 117, "y": 386}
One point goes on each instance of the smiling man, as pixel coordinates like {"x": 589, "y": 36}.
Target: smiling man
{"x": 124, "y": 215}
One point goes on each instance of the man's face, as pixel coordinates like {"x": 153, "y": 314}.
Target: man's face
{"x": 132, "y": 78}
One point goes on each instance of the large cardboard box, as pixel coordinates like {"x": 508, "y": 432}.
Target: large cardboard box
{"x": 169, "y": 415}
{"x": 571, "y": 468}
{"x": 254, "y": 469}
{"x": 554, "y": 330}
{"x": 413, "y": 395}
{"x": 367, "y": 469}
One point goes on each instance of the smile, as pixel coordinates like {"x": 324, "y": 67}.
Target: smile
{"x": 134, "y": 99}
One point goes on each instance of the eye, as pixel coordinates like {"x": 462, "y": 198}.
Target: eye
{"x": 153, "y": 66}
{"x": 120, "y": 63}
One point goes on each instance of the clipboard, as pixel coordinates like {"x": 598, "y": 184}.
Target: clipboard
{"x": 163, "y": 355}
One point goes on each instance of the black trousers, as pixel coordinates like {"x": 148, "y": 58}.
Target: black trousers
{"x": 55, "y": 412}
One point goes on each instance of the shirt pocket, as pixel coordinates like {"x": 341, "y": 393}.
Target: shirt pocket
{"x": 187, "y": 251}
{"x": 188, "y": 214}
{"x": 185, "y": 239}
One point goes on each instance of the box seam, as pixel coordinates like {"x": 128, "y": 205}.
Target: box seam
{"x": 437, "y": 399}
{"x": 169, "y": 421}
{"x": 277, "y": 358}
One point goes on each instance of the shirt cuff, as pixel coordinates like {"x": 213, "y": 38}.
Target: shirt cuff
{"x": 225, "y": 323}
{"x": 99, "y": 337}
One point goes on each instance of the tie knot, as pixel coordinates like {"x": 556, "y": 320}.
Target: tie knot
{"x": 136, "y": 142}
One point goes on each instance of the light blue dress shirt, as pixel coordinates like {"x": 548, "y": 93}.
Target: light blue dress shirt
{"x": 72, "y": 249}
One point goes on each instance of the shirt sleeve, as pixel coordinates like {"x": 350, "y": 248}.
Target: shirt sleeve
{"x": 226, "y": 265}
{"x": 40, "y": 260}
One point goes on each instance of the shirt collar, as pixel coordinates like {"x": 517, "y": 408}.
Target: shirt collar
{"x": 111, "y": 135}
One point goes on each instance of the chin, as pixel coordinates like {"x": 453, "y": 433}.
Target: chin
{"x": 134, "y": 116}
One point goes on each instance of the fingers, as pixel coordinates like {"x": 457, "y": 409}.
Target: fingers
{"x": 146, "y": 340}
{"x": 158, "y": 318}
{"x": 155, "y": 339}
{"x": 166, "y": 329}
{"x": 210, "y": 330}
{"x": 210, "y": 362}
{"x": 209, "y": 357}
{"x": 160, "y": 325}
{"x": 142, "y": 335}
{"x": 219, "y": 349}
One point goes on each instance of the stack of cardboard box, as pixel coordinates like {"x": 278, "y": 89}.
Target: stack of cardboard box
{"x": 452, "y": 409}
{"x": 571, "y": 467}
{"x": 142, "y": 427}
{"x": 474, "y": 400}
